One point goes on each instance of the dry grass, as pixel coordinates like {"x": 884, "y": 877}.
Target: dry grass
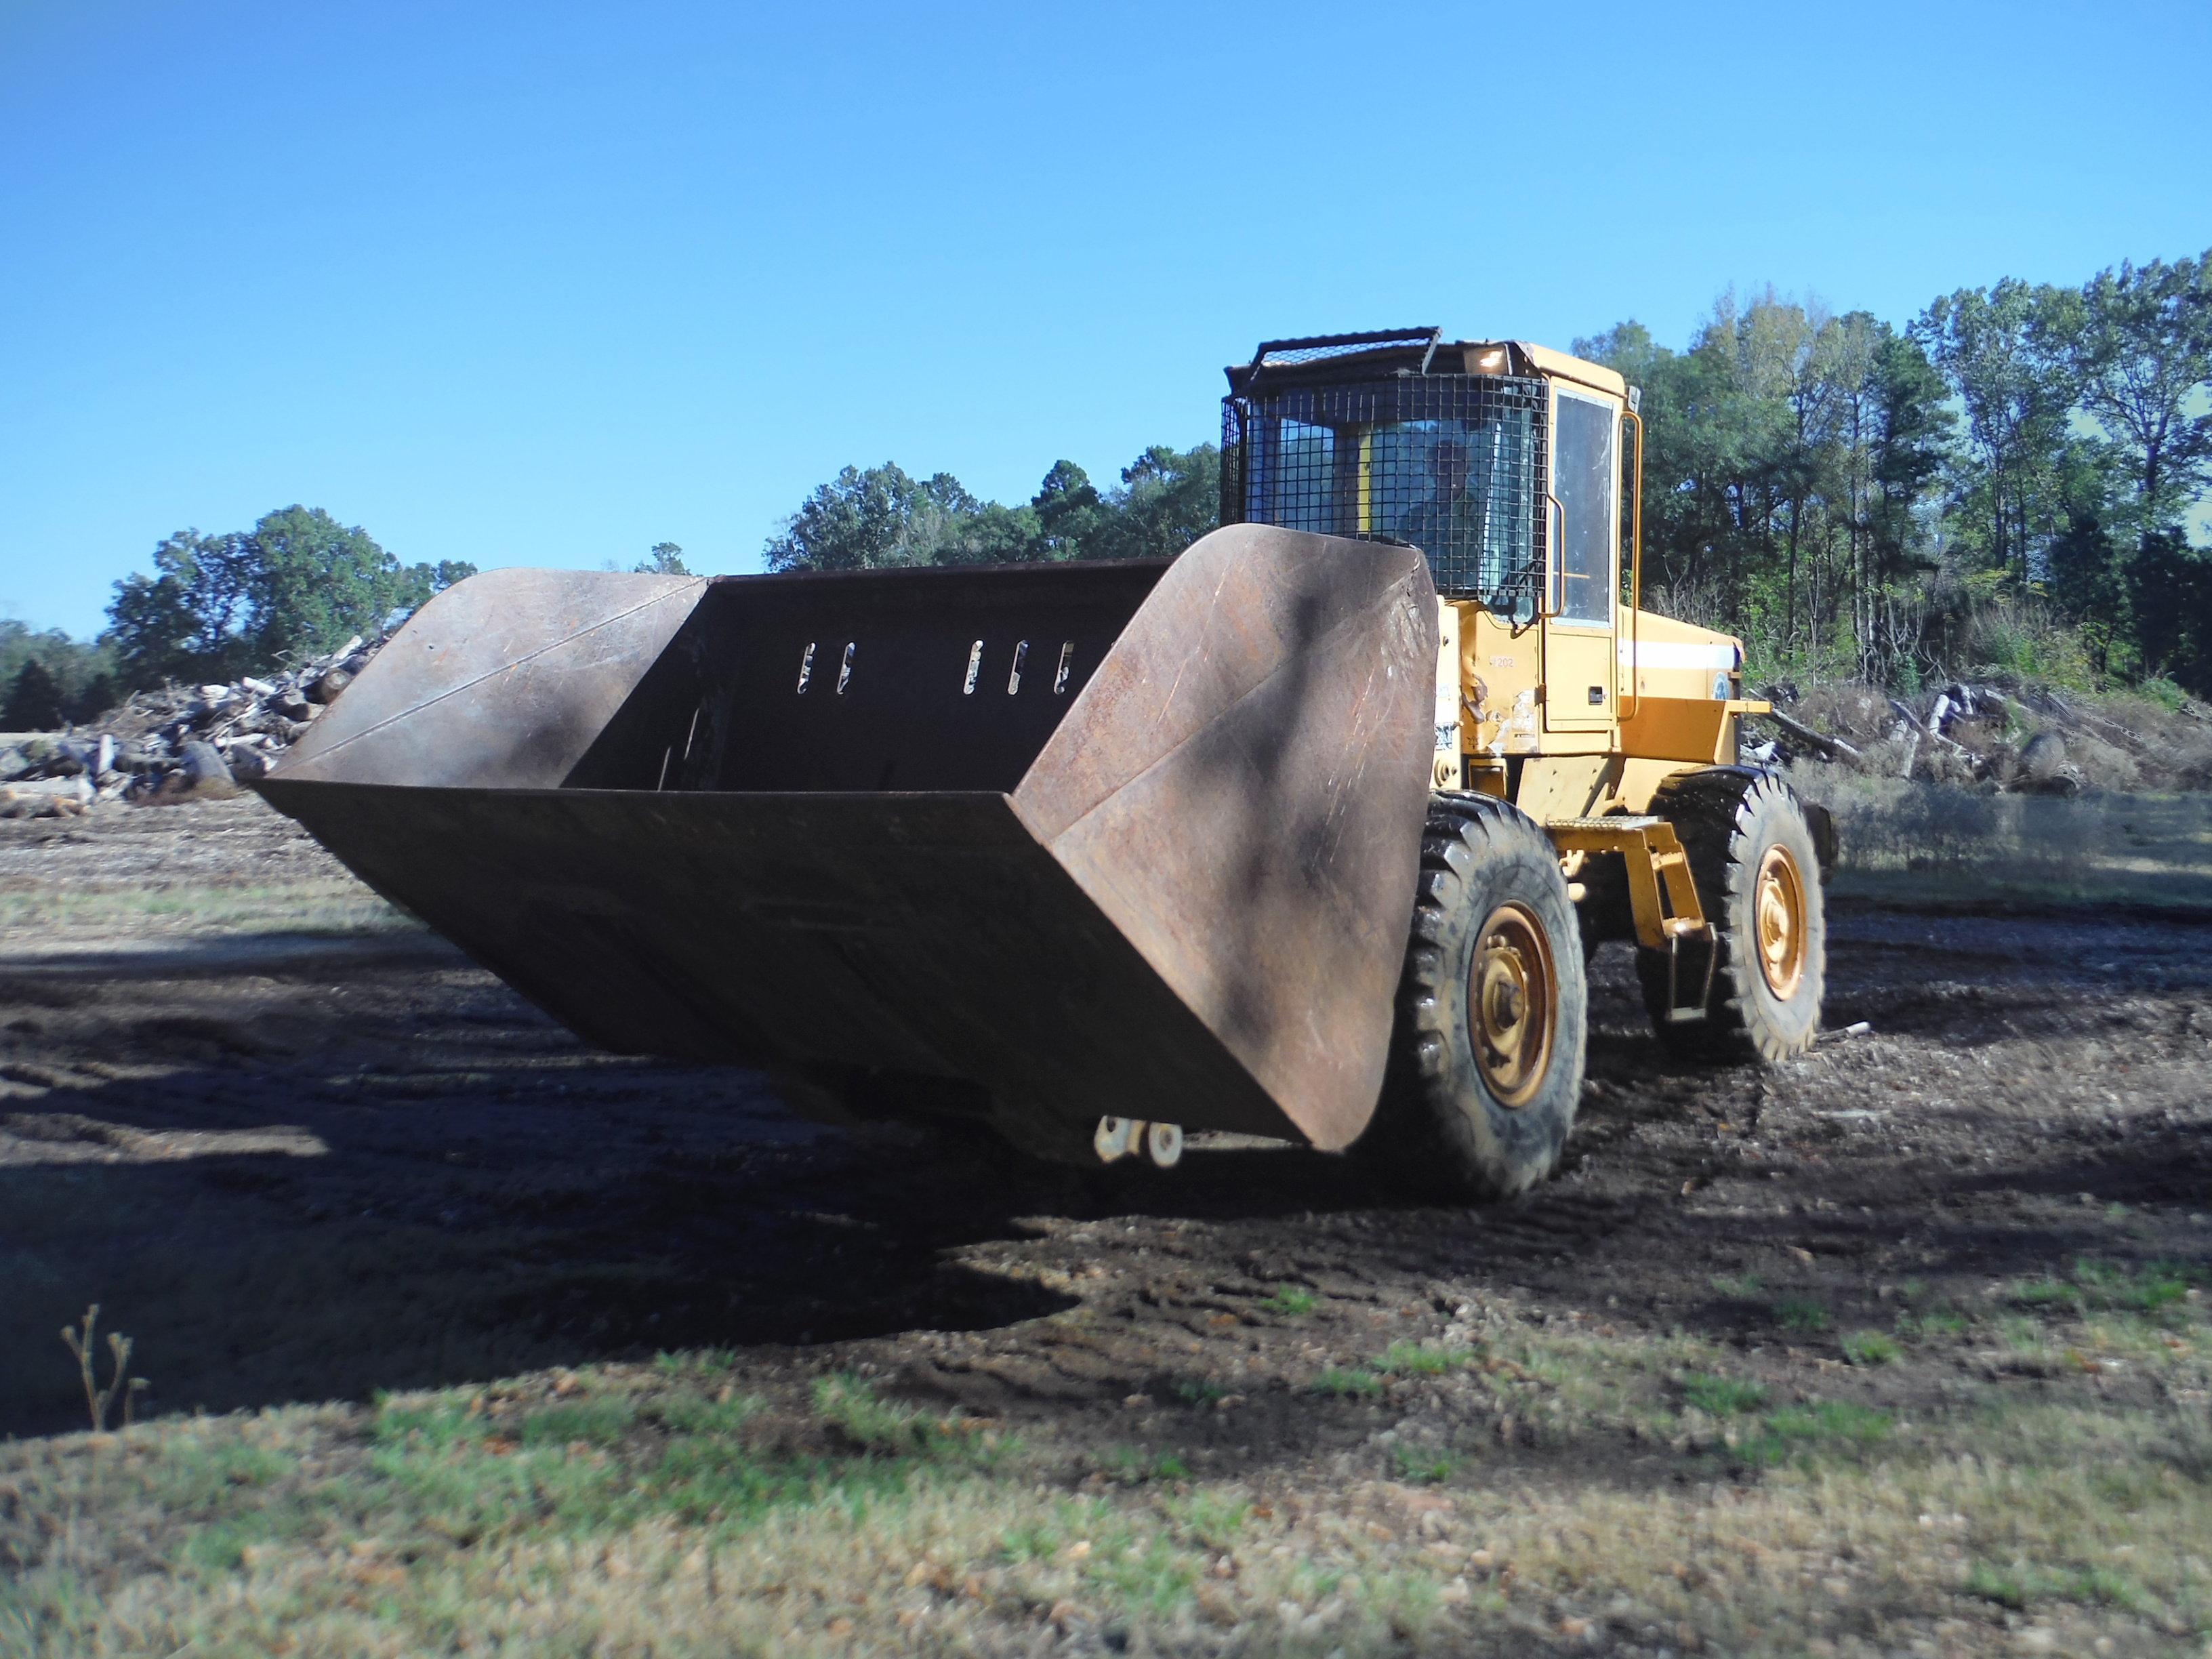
{"x": 1924, "y": 841}
{"x": 84, "y": 917}
{"x": 661, "y": 1509}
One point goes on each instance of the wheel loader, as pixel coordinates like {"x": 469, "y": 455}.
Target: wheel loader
{"x": 1306, "y": 833}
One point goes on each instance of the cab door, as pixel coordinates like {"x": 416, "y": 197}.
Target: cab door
{"x": 1580, "y": 678}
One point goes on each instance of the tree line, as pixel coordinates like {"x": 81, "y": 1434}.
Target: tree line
{"x": 298, "y": 582}
{"x": 215, "y": 607}
{"x": 2010, "y": 480}
{"x": 880, "y": 518}
{"x": 2007, "y": 481}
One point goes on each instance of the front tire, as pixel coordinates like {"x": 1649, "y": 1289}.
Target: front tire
{"x": 1757, "y": 865}
{"x": 1486, "y": 1060}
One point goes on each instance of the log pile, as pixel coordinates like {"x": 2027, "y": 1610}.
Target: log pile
{"x": 178, "y": 742}
{"x": 2016, "y": 739}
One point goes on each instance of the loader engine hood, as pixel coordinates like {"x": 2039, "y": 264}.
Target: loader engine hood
{"x": 1106, "y": 839}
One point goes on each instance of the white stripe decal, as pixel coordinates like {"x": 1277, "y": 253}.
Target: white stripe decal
{"x": 1676, "y": 654}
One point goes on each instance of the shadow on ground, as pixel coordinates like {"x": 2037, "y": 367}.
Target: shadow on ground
{"x": 318, "y": 1174}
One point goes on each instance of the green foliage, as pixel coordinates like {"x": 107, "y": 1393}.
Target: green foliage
{"x": 95, "y": 698}
{"x": 79, "y": 675}
{"x": 298, "y": 583}
{"x": 665, "y": 559}
{"x": 2015, "y": 634}
{"x": 2170, "y": 588}
{"x": 1848, "y": 497}
{"x": 34, "y": 701}
{"x": 881, "y": 518}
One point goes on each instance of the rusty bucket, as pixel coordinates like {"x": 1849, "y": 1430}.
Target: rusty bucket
{"x": 1130, "y": 839}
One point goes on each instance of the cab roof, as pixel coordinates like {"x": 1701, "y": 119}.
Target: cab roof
{"x": 1335, "y": 357}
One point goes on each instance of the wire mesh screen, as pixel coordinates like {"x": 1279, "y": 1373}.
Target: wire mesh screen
{"x": 1282, "y": 354}
{"x": 1453, "y": 464}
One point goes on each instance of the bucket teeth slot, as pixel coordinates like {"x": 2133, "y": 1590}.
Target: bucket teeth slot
{"x": 975, "y": 668}
{"x": 1066, "y": 659}
{"x": 844, "y": 670}
{"x": 1014, "y": 679}
{"x": 805, "y": 668}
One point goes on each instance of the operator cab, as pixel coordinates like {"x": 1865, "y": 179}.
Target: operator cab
{"x": 1473, "y": 451}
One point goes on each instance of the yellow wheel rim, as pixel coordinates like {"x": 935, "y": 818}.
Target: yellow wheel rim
{"x": 1778, "y": 919}
{"x": 1513, "y": 1000}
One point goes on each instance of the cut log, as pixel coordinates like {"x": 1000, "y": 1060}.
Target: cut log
{"x": 1832, "y": 748}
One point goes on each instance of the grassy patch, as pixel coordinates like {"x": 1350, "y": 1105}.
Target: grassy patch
{"x": 1723, "y": 1397}
{"x": 1800, "y": 1430}
{"x": 1935, "y": 1322}
{"x": 1807, "y": 1316}
{"x": 335, "y": 907}
{"x": 1211, "y": 1520}
{"x": 851, "y": 1406}
{"x": 1870, "y": 1348}
{"x": 2150, "y": 1287}
{"x": 1133, "y": 1466}
{"x": 1355, "y": 1383}
{"x": 1291, "y": 1301}
{"x": 646, "y": 1507}
{"x": 1419, "y": 1359}
{"x": 1424, "y": 1464}
{"x": 587, "y": 1422}
{"x": 2019, "y": 1585}
{"x": 692, "y": 1363}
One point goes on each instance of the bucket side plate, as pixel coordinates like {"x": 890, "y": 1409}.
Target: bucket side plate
{"x": 924, "y": 933}
{"x": 1241, "y": 790}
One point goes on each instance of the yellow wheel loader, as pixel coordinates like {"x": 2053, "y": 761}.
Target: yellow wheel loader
{"x": 1305, "y": 833}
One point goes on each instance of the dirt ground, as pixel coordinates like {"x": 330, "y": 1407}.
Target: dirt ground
{"x": 322, "y": 1155}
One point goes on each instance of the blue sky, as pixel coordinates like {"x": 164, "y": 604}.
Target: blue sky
{"x": 548, "y": 284}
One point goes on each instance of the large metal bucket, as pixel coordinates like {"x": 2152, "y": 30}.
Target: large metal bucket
{"x": 1132, "y": 840}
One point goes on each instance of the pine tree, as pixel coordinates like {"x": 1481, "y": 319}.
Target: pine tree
{"x": 35, "y": 702}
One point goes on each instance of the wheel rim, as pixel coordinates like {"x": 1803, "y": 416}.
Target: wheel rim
{"x": 1513, "y": 999}
{"x": 1779, "y": 918}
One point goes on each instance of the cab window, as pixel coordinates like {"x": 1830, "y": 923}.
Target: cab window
{"x": 1583, "y": 477}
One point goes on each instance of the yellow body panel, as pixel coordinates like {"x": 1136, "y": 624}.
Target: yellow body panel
{"x": 1580, "y": 722}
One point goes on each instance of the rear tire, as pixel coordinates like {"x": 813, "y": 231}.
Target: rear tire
{"x": 1756, "y": 861}
{"x": 1486, "y": 1060}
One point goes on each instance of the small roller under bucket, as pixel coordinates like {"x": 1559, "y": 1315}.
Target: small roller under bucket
{"x": 1120, "y": 840}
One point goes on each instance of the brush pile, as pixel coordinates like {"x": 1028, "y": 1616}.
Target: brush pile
{"x": 179, "y": 743}
{"x": 2004, "y": 736}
